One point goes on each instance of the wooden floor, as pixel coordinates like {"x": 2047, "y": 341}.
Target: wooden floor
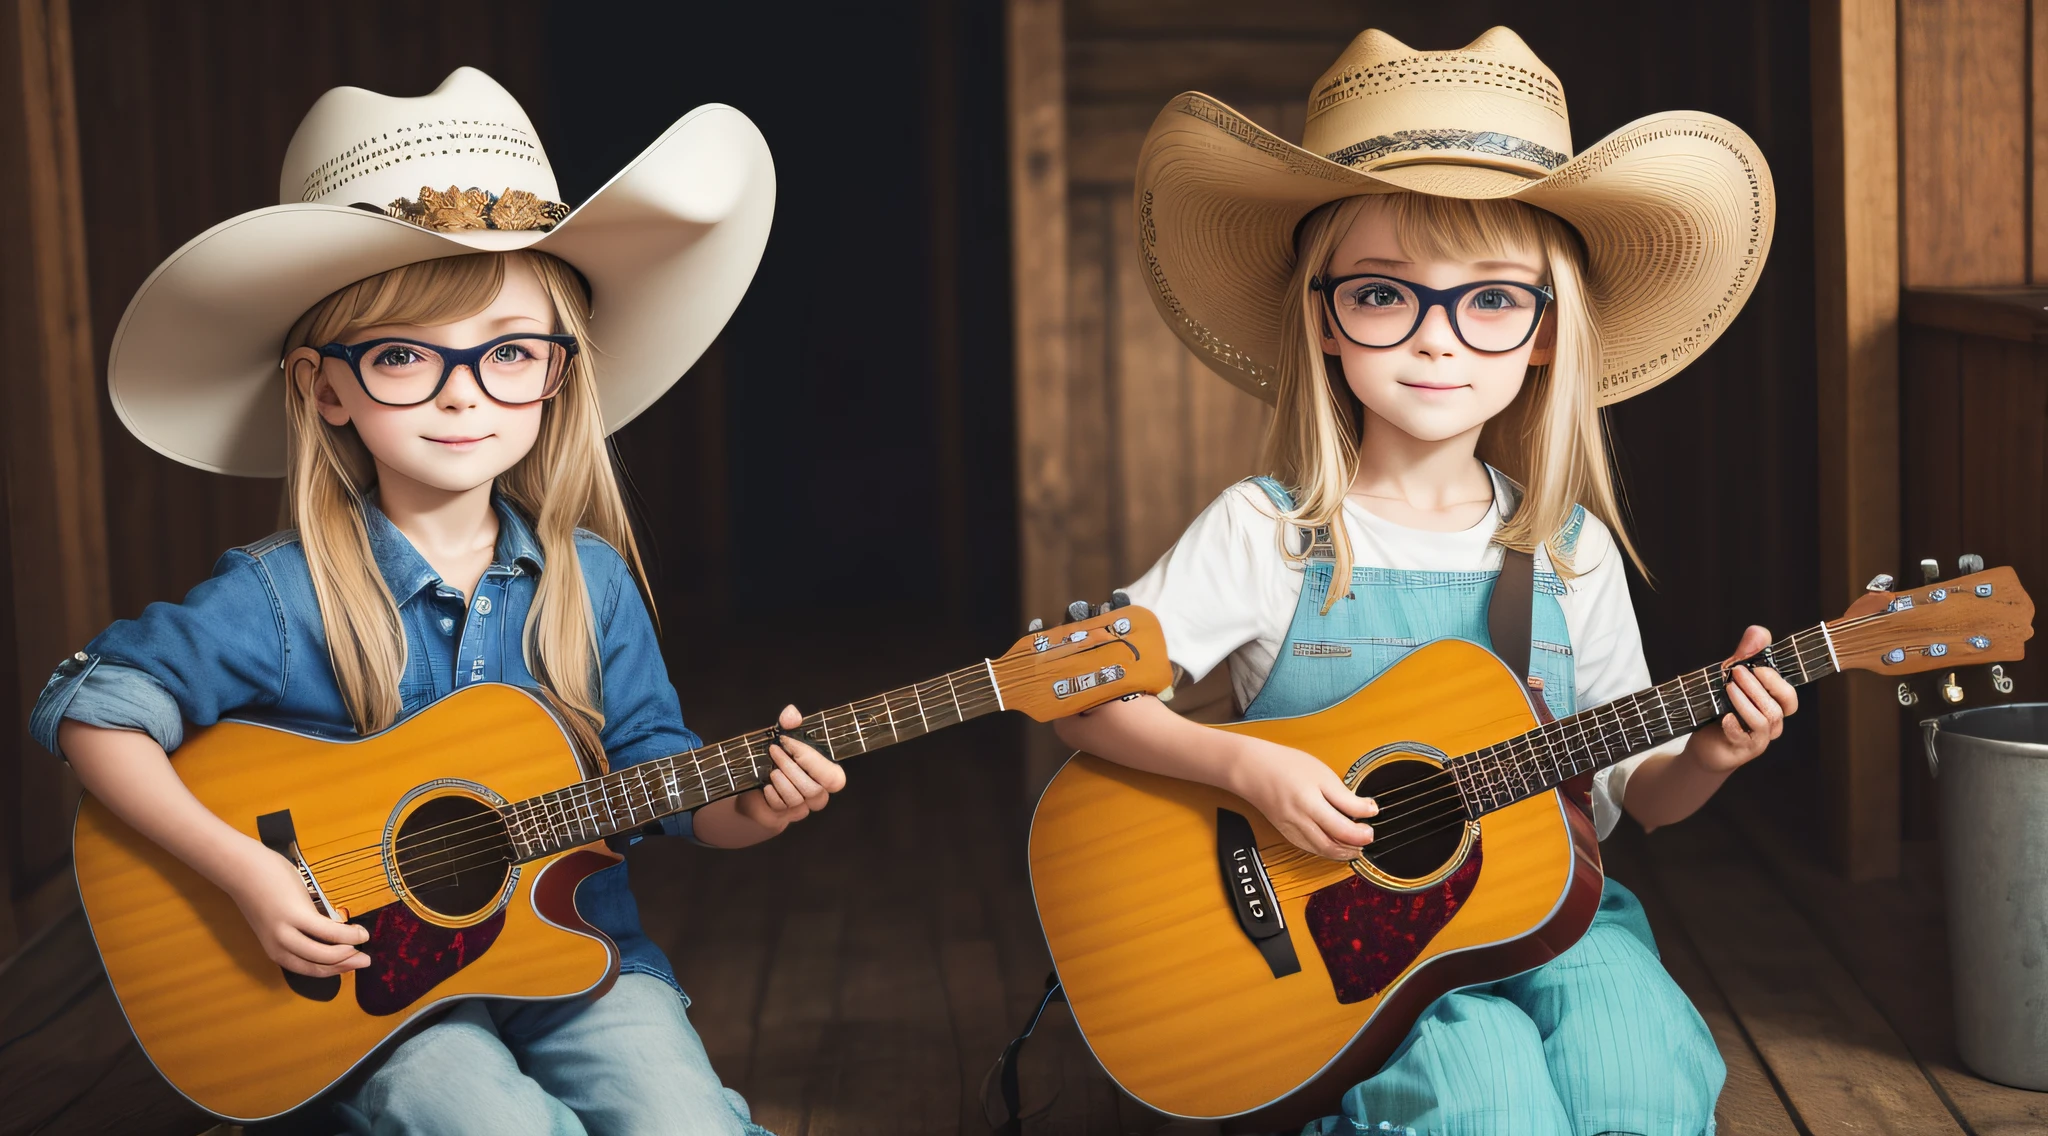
{"x": 862, "y": 973}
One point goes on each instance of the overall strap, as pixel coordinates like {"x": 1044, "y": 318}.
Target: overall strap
{"x": 1509, "y": 612}
{"x": 1315, "y": 542}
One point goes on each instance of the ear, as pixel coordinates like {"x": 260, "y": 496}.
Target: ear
{"x": 1546, "y": 339}
{"x": 307, "y": 368}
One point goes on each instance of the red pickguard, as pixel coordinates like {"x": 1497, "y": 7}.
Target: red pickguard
{"x": 410, "y": 956}
{"x": 1368, "y": 935}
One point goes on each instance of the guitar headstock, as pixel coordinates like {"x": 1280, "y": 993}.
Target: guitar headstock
{"x": 1077, "y": 666}
{"x": 1984, "y": 617}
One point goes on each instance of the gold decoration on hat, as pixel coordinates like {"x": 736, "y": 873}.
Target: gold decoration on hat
{"x": 455, "y": 210}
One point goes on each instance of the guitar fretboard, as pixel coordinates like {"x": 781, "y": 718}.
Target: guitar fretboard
{"x": 1548, "y": 756}
{"x": 641, "y": 794}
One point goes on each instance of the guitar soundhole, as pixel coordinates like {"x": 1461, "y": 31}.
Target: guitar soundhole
{"x": 454, "y": 855}
{"x": 1421, "y": 819}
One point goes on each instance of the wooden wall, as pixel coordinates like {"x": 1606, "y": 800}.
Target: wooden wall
{"x": 1126, "y": 436}
{"x": 1972, "y": 383}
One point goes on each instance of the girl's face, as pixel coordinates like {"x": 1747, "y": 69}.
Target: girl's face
{"x": 1431, "y": 386}
{"x": 461, "y": 438}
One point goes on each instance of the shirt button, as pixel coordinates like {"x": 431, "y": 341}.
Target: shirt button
{"x": 447, "y": 626}
{"x": 483, "y": 605}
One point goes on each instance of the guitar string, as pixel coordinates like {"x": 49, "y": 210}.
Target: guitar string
{"x": 351, "y": 883}
{"x": 716, "y": 749}
{"x": 1414, "y": 830}
{"x": 1534, "y": 743}
{"x": 376, "y": 873}
{"x": 585, "y": 796}
{"x": 1441, "y": 820}
{"x": 1417, "y": 825}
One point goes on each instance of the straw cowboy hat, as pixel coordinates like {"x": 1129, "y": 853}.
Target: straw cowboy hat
{"x": 371, "y": 183}
{"x": 1675, "y": 209}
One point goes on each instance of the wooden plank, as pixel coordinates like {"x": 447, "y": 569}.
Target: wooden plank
{"x": 2001, "y": 507}
{"x": 1856, "y": 269}
{"x": 1963, "y": 101}
{"x": 1890, "y": 936}
{"x": 1750, "y": 1104}
{"x": 56, "y": 507}
{"x": 1150, "y": 393}
{"x": 1038, "y": 219}
{"x": 1231, "y": 69}
{"x": 2019, "y": 314}
{"x": 1091, "y": 431}
{"x": 2037, "y": 143}
{"x": 797, "y": 1010}
{"x": 1839, "y": 1063}
{"x": 1931, "y": 391}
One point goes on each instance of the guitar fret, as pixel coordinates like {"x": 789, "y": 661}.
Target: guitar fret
{"x": 953, "y": 693}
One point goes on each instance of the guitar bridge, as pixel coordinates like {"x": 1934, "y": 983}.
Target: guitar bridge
{"x": 1251, "y": 893}
{"x": 278, "y": 835}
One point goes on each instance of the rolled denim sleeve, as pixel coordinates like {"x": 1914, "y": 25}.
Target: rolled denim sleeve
{"x": 219, "y": 650}
{"x": 111, "y": 696}
{"x": 643, "y": 719}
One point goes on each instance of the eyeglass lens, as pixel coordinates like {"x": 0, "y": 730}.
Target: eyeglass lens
{"x": 515, "y": 371}
{"x": 1381, "y": 312}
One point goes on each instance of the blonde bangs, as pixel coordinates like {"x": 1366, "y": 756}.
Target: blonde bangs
{"x": 1551, "y": 439}
{"x": 564, "y": 483}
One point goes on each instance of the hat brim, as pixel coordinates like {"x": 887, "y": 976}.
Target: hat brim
{"x": 669, "y": 247}
{"x": 1676, "y": 211}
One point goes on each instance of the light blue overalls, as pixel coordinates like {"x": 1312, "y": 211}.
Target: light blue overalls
{"x": 1598, "y": 1039}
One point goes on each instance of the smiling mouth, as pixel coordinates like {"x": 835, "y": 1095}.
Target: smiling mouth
{"x": 458, "y": 441}
{"x": 1435, "y": 386}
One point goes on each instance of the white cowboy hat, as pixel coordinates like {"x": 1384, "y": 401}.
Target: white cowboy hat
{"x": 1675, "y": 209}
{"x": 668, "y": 247}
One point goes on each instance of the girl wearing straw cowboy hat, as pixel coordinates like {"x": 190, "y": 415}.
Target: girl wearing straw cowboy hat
{"x": 1437, "y": 296}
{"x": 430, "y": 349}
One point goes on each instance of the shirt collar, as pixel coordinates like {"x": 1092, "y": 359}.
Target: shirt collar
{"x": 406, "y": 572}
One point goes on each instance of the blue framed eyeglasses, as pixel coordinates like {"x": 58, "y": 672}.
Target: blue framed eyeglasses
{"x": 512, "y": 369}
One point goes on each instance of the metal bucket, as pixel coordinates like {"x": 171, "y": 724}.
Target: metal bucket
{"x": 1992, "y": 767}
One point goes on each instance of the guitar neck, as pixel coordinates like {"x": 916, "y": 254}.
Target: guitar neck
{"x": 1548, "y": 756}
{"x": 641, "y": 794}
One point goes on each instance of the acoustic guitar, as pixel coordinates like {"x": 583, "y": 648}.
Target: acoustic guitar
{"x": 1217, "y": 971}
{"x": 457, "y": 838}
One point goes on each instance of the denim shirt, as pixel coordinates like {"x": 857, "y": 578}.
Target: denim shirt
{"x": 249, "y": 643}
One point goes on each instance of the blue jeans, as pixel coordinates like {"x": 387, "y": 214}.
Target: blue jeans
{"x": 626, "y": 1064}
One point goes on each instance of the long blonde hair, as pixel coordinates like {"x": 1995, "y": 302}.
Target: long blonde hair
{"x": 565, "y": 482}
{"x": 1550, "y": 439}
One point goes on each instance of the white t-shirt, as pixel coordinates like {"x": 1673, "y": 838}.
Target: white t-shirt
{"x": 1225, "y": 590}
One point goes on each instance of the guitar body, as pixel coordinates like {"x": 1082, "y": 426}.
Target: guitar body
{"x": 1174, "y": 997}
{"x": 219, "y": 1019}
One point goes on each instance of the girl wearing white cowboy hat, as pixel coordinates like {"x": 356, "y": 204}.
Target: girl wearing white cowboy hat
{"x": 1430, "y": 279}
{"x": 430, "y": 349}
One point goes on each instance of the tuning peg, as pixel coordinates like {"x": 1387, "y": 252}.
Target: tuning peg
{"x": 1930, "y": 571}
{"x": 1906, "y": 695}
{"x": 1076, "y": 611}
{"x": 2000, "y": 681}
{"x": 1882, "y": 582}
{"x": 1950, "y": 692}
{"x": 1119, "y": 598}
{"x": 1969, "y": 562}
{"x": 1035, "y": 625}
